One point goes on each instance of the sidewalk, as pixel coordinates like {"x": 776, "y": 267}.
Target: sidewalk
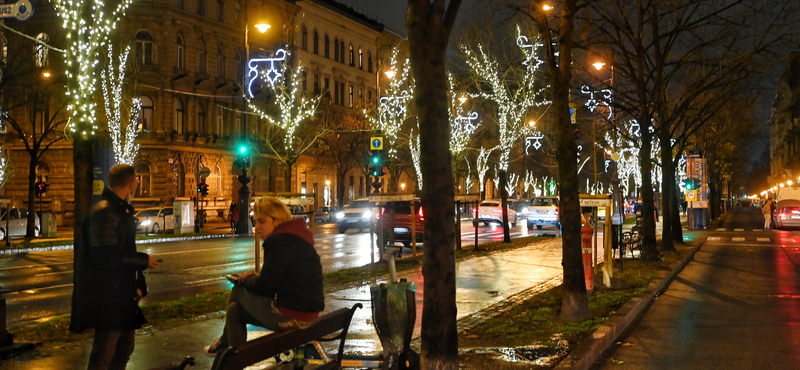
{"x": 505, "y": 278}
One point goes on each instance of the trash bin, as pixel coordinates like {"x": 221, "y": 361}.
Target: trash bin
{"x": 394, "y": 313}
{"x": 49, "y": 223}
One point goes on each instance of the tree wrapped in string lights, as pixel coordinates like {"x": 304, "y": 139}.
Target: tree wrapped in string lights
{"x": 414, "y": 147}
{"x": 122, "y": 137}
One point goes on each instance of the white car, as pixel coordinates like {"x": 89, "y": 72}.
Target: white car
{"x": 355, "y": 215}
{"x": 492, "y": 211}
{"x": 543, "y": 211}
{"x": 18, "y": 224}
{"x": 154, "y": 220}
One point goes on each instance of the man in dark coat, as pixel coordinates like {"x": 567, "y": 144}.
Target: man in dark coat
{"x": 108, "y": 279}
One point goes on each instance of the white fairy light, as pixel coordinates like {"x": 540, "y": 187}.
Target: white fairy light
{"x": 511, "y": 184}
{"x": 605, "y": 96}
{"x": 113, "y": 80}
{"x": 85, "y": 39}
{"x": 482, "y": 165}
{"x": 533, "y": 141}
{"x": 414, "y": 147}
{"x": 391, "y": 110}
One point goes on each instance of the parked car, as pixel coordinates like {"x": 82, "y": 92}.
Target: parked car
{"x": 401, "y": 223}
{"x": 491, "y": 211}
{"x": 544, "y": 211}
{"x": 325, "y": 214}
{"x": 18, "y": 223}
{"x": 154, "y": 220}
{"x": 787, "y": 214}
{"x": 355, "y": 215}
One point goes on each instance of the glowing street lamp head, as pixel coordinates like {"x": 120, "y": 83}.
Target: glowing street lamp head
{"x": 531, "y": 123}
{"x": 390, "y": 73}
{"x": 782, "y": 185}
{"x": 46, "y": 74}
{"x": 599, "y": 65}
{"x": 262, "y": 27}
{"x": 462, "y": 99}
{"x": 547, "y": 7}
{"x": 789, "y": 182}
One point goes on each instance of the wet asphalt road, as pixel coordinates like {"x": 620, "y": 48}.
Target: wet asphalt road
{"x": 736, "y": 306}
{"x": 38, "y": 286}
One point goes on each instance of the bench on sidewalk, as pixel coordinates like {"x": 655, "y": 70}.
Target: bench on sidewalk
{"x": 271, "y": 345}
{"x": 630, "y": 240}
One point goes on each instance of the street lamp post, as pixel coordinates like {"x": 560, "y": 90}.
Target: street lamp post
{"x": 243, "y": 226}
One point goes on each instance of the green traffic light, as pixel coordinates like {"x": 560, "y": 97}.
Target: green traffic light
{"x": 375, "y": 160}
{"x": 243, "y": 149}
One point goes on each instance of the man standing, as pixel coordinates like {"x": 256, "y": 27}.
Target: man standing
{"x": 108, "y": 279}
{"x": 767, "y": 211}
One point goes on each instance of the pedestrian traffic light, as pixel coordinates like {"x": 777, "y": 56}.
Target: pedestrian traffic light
{"x": 242, "y": 155}
{"x": 691, "y": 183}
{"x": 374, "y": 171}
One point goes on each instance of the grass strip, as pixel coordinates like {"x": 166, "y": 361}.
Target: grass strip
{"x": 163, "y": 315}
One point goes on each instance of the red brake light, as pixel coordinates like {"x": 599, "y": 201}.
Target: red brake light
{"x": 783, "y": 216}
{"x": 421, "y": 214}
{"x": 556, "y": 211}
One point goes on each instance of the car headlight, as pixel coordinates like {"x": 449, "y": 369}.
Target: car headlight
{"x": 340, "y": 215}
{"x": 367, "y": 214}
{"x": 146, "y": 223}
{"x": 525, "y": 210}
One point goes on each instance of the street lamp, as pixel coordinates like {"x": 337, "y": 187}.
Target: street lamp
{"x": 244, "y": 226}
{"x": 46, "y": 74}
{"x": 390, "y": 73}
{"x": 547, "y": 7}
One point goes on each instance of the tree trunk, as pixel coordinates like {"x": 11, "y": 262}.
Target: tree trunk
{"x": 83, "y": 164}
{"x": 677, "y": 228}
{"x": 649, "y": 251}
{"x": 504, "y": 205}
{"x": 287, "y": 176}
{"x": 429, "y": 27}
{"x": 340, "y": 187}
{"x": 34, "y": 162}
{"x": 668, "y": 191}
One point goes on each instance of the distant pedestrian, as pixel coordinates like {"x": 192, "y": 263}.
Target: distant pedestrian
{"x": 287, "y": 293}
{"x": 233, "y": 215}
{"x": 108, "y": 280}
{"x": 767, "y": 211}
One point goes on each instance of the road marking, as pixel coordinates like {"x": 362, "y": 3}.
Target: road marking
{"x": 34, "y": 266}
{"x": 721, "y": 229}
{"x": 758, "y": 230}
{"x": 53, "y": 273}
{"x": 203, "y": 281}
{"x": 738, "y": 229}
{"x": 714, "y": 238}
{"x": 738, "y": 239}
{"x": 763, "y": 239}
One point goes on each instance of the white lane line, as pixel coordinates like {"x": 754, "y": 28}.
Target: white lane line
{"x": 738, "y": 229}
{"x": 763, "y": 239}
{"x": 738, "y": 239}
{"x": 34, "y": 266}
{"x": 714, "y": 239}
{"x": 203, "y": 281}
{"x": 215, "y": 266}
{"x": 758, "y": 230}
{"x": 191, "y": 251}
{"x": 721, "y": 229}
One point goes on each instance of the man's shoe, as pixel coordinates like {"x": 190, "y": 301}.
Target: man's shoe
{"x": 215, "y": 348}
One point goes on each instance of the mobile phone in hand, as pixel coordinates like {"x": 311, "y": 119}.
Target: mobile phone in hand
{"x": 233, "y": 278}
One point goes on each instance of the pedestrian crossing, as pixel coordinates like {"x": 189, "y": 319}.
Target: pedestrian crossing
{"x": 736, "y": 230}
{"x": 739, "y": 239}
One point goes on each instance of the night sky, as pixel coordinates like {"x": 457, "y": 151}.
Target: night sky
{"x": 392, "y": 13}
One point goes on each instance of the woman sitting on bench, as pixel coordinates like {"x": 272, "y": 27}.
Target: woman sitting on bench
{"x": 287, "y": 294}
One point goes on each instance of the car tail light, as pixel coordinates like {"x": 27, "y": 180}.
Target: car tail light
{"x": 421, "y": 214}
{"x": 783, "y": 216}
{"x": 796, "y": 212}
{"x": 556, "y": 211}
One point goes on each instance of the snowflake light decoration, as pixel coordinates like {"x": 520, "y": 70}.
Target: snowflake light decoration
{"x": 533, "y": 141}
{"x": 272, "y": 74}
{"x": 598, "y": 98}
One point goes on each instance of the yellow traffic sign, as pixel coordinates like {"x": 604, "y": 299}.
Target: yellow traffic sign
{"x": 376, "y": 143}
{"x": 97, "y": 187}
{"x": 691, "y": 195}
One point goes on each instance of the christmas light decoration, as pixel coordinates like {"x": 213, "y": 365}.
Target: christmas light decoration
{"x": 271, "y": 75}
{"x": 414, "y": 147}
{"x": 515, "y": 94}
{"x": 295, "y": 108}
{"x": 533, "y": 141}
{"x": 482, "y": 165}
{"x": 604, "y": 99}
{"x": 113, "y": 80}
{"x": 88, "y": 25}
{"x": 391, "y": 110}
{"x": 511, "y": 184}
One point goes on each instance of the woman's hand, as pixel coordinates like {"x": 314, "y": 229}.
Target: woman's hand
{"x": 240, "y": 279}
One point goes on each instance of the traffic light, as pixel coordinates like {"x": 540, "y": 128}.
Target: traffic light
{"x": 691, "y": 184}
{"x": 39, "y": 188}
{"x": 243, "y": 155}
{"x": 202, "y": 188}
{"x": 374, "y": 158}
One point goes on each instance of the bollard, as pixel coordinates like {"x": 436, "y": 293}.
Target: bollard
{"x": 586, "y": 246}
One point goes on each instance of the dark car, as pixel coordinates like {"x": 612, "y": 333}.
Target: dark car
{"x": 325, "y": 214}
{"x": 401, "y": 223}
{"x": 521, "y": 207}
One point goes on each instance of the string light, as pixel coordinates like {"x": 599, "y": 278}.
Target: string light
{"x": 391, "y": 110}
{"x": 85, "y": 40}
{"x": 414, "y": 147}
{"x": 482, "y": 165}
{"x": 594, "y": 102}
{"x": 122, "y": 138}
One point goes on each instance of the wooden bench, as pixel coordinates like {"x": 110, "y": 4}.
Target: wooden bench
{"x": 631, "y": 239}
{"x": 271, "y": 345}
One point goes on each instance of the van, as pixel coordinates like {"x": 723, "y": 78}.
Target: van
{"x": 788, "y": 194}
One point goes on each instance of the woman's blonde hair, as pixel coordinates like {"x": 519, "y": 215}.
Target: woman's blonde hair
{"x": 272, "y": 207}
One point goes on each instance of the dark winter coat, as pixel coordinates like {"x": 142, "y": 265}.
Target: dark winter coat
{"x": 292, "y": 271}
{"x": 108, "y": 270}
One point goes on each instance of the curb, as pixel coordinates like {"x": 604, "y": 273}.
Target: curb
{"x": 143, "y": 241}
{"x": 588, "y": 351}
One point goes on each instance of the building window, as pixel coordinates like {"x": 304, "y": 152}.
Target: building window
{"x": 201, "y": 7}
{"x": 144, "y": 47}
{"x": 351, "y": 96}
{"x": 328, "y": 86}
{"x": 341, "y": 51}
{"x": 316, "y": 84}
{"x": 369, "y": 61}
{"x": 236, "y": 16}
{"x": 360, "y": 58}
{"x": 341, "y": 94}
{"x": 40, "y": 51}
{"x": 336, "y": 50}
{"x": 220, "y": 11}
{"x": 304, "y": 37}
{"x": 316, "y": 42}
{"x": 239, "y": 67}
{"x": 179, "y": 117}
{"x": 181, "y": 4}
{"x": 201, "y": 119}
{"x": 352, "y": 56}
{"x": 146, "y": 114}
{"x": 201, "y": 57}
{"x": 181, "y": 53}
{"x": 220, "y": 62}
{"x": 143, "y": 176}
{"x": 327, "y": 47}
{"x": 336, "y": 92}
{"x": 304, "y": 77}
{"x": 220, "y": 120}
{"x": 361, "y": 96}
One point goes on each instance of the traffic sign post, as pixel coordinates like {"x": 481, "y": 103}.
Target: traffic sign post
{"x": 376, "y": 143}
{"x": 22, "y": 10}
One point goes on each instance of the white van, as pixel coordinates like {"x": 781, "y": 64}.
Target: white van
{"x": 788, "y": 194}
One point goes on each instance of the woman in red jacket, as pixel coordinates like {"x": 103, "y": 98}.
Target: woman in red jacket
{"x": 288, "y": 292}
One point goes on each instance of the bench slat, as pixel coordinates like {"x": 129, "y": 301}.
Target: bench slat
{"x": 274, "y": 344}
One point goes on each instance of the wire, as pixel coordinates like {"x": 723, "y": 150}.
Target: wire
{"x": 33, "y": 39}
